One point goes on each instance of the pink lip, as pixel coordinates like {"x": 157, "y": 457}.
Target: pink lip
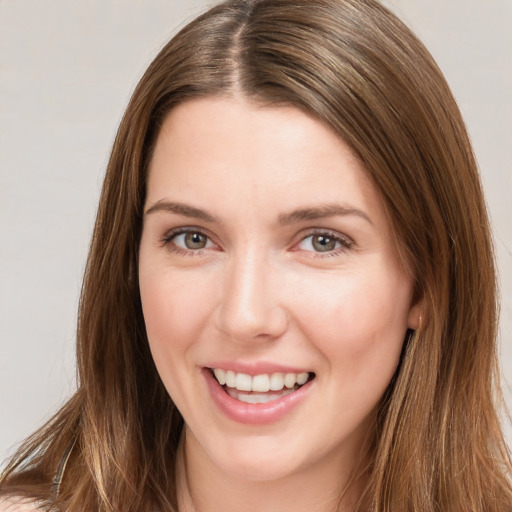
{"x": 253, "y": 414}
{"x": 256, "y": 368}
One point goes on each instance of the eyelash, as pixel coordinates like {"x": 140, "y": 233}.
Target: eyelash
{"x": 345, "y": 242}
{"x": 170, "y": 235}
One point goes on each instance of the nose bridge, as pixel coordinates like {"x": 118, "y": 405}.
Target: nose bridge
{"x": 250, "y": 308}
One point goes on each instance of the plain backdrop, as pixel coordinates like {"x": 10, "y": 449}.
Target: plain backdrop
{"x": 67, "y": 69}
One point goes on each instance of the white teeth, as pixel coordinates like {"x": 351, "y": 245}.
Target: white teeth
{"x": 243, "y": 382}
{"x": 230, "y": 379}
{"x": 262, "y": 383}
{"x": 289, "y": 380}
{"x": 276, "y": 381}
{"x": 302, "y": 378}
{"x": 220, "y": 375}
{"x": 258, "y": 398}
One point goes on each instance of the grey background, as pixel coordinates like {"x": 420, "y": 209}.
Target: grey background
{"x": 66, "y": 72}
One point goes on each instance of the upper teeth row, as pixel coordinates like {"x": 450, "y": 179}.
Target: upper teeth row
{"x": 264, "y": 382}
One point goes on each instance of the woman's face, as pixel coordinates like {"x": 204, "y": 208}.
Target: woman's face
{"x": 266, "y": 259}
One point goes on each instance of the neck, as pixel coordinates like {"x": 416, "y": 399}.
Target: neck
{"x": 202, "y": 487}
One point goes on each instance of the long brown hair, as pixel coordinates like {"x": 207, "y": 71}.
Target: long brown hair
{"x": 437, "y": 444}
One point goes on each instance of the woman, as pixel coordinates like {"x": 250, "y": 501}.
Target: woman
{"x": 290, "y": 296}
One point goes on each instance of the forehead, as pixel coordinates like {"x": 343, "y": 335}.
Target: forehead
{"x": 211, "y": 142}
{"x": 249, "y": 167}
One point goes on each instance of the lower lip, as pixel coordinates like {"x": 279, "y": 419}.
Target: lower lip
{"x": 253, "y": 414}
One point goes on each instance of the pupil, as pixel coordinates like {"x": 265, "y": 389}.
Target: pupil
{"x": 323, "y": 243}
{"x": 195, "y": 240}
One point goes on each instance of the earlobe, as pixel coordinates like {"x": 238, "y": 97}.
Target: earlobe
{"x": 416, "y": 317}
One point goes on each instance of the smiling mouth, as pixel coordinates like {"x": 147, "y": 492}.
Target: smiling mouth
{"x": 260, "y": 389}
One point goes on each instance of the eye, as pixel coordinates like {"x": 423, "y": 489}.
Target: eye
{"x": 187, "y": 240}
{"x": 191, "y": 240}
{"x": 324, "y": 242}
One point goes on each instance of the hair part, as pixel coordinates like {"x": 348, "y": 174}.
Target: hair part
{"x": 353, "y": 65}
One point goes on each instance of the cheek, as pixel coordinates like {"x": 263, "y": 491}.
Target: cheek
{"x": 159, "y": 314}
{"x": 359, "y": 328}
{"x": 174, "y": 315}
{"x": 172, "y": 309}
{"x": 358, "y": 322}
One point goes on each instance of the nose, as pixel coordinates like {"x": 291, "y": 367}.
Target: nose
{"x": 250, "y": 309}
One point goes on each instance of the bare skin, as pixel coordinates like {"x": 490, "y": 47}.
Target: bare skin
{"x": 265, "y": 245}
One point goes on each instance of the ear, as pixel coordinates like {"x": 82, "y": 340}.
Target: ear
{"x": 414, "y": 318}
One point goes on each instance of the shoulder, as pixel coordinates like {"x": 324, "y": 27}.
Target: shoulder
{"x": 18, "y": 505}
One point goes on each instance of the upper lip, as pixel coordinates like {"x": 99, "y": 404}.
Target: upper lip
{"x": 256, "y": 368}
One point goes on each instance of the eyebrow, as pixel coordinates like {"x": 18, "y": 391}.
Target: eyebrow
{"x": 285, "y": 219}
{"x": 181, "y": 209}
{"x": 327, "y": 210}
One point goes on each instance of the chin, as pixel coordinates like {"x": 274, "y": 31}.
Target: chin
{"x": 264, "y": 457}
{"x": 258, "y": 470}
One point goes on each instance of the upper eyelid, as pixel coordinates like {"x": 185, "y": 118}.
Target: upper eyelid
{"x": 306, "y": 233}
{"x": 324, "y": 231}
{"x": 185, "y": 229}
